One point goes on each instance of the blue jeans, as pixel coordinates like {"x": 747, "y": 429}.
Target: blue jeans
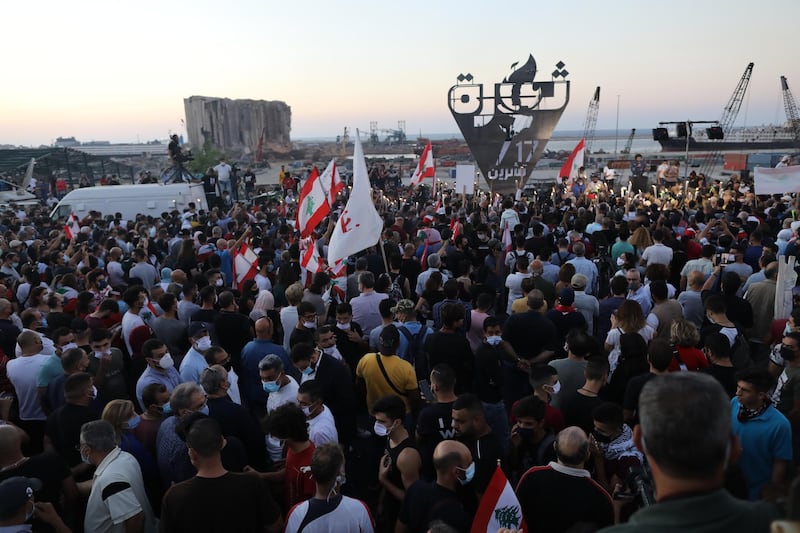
{"x": 225, "y": 186}
{"x": 497, "y": 418}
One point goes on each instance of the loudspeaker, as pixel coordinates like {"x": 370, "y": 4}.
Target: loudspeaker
{"x": 660, "y": 134}
{"x": 682, "y": 130}
{"x": 715, "y": 133}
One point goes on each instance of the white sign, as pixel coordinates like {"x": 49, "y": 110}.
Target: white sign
{"x": 781, "y": 180}
{"x": 465, "y": 179}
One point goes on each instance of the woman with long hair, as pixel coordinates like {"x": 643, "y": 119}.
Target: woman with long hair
{"x": 640, "y": 240}
{"x": 187, "y": 257}
{"x": 632, "y": 362}
{"x": 565, "y": 274}
{"x": 628, "y": 318}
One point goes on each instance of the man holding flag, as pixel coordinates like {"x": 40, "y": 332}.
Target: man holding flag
{"x": 573, "y": 163}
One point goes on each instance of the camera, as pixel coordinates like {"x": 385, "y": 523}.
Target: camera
{"x": 723, "y": 259}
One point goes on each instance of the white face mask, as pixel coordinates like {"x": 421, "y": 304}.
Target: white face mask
{"x": 68, "y": 346}
{"x": 346, "y": 325}
{"x": 309, "y": 325}
{"x": 166, "y": 362}
{"x": 99, "y": 355}
{"x": 620, "y": 261}
{"x": 380, "y": 429}
{"x": 494, "y": 340}
{"x": 556, "y": 387}
{"x": 219, "y": 282}
{"x": 203, "y": 343}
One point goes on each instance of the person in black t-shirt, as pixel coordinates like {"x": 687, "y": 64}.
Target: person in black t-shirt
{"x": 718, "y": 350}
{"x": 659, "y": 355}
{"x": 471, "y": 427}
{"x": 435, "y": 421}
{"x": 63, "y": 427}
{"x": 577, "y": 406}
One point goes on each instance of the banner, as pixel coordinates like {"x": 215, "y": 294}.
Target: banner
{"x": 781, "y": 180}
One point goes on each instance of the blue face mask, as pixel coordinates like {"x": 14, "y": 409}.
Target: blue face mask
{"x": 469, "y": 473}
{"x": 166, "y": 408}
{"x": 133, "y": 422}
{"x": 203, "y": 410}
{"x": 102, "y": 284}
{"x": 44, "y": 323}
{"x": 308, "y": 370}
{"x": 270, "y": 386}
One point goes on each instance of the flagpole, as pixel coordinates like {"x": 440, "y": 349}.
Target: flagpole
{"x": 383, "y": 253}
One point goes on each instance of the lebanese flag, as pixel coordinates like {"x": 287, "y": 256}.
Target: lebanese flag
{"x": 425, "y": 167}
{"x": 310, "y": 259}
{"x": 499, "y": 507}
{"x": 245, "y": 265}
{"x": 359, "y": 226}
{"x": 507, "y": 241}
{"x": 338, "y": 281}
{"x": 331, "y": 182}
{"x": 71, "y": 228}
{"x": 573, "y": 162}
{"x": 312, "y": 206}
{"x": 455, "y": 226}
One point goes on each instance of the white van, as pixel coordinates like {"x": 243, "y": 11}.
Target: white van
{"x": 131, "y": 200}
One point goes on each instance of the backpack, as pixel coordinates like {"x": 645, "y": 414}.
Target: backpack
{"x": 414, "y": 351}
{"x": 740, "y": 351}
{"x": 396, "y": 288}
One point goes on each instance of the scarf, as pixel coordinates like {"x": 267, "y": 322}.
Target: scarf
{"x": 564, "y": 309}
{"x": 622, "y": 446}
{"x": 746, "y": 414}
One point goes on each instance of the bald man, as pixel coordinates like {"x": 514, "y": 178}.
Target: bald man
{"x": 541, "y": 489}
{"x": 540, "y": 283}
{"x": 253, "y": 352}
{"x": 441, "y": 500}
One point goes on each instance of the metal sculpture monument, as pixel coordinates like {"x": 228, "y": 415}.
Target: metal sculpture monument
{"x": 508, "y": 130}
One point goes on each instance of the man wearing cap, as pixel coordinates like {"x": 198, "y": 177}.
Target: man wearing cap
{"x": 565, "y": 317}
{"x": 118, "y": 500}
{"x": 587, "y": 304}
{"x": 17, "y": 507}
{"x": 194, "y": 362}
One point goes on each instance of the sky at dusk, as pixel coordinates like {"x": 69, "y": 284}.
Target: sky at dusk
{"x": 119, "y": 71}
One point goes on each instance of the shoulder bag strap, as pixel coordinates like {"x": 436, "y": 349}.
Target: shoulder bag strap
{"x": 386, "y": 376}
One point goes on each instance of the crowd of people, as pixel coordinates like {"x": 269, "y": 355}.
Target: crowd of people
{"x": 621, "y": 356}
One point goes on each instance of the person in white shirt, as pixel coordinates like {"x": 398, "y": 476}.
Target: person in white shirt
{"x": 321, "y": 426}
{"x": 281, "y": 388}
{"x": 514, "y": 281}
{"x": 223, "y": 171}
{"x": 289, "y": 318}
{"x": 22, "y": 372}
{"x": 657, "y": 252}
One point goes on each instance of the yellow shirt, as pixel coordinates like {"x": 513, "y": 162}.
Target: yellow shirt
{"x": 399, "y": 371}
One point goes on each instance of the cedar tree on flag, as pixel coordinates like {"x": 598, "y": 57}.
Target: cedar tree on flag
{"x": 573, "y": 162}
{"x": 71, "y": 228}
{"x": 359, "y": 226}
{"x": 425, "y": 168}
{"x": 312, "y": 206}
{"x": 499, "y": 507}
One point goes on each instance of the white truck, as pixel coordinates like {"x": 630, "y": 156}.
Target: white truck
{"x": 131, "y": 200}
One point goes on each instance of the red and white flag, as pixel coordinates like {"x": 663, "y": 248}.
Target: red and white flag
{"x": 312, "y": 206}
{"x": 499, "y": 507}
{"x": 573, "y": 162}
{"x": 455, "y": 227}
{"x": 331, "y": 182}
{"x": 245, "y": 265}
{"x": 359, "y": 226}
{"x": 310, "y": 259}
{"x": 425, "y": 167}
{"x": 72, "y": 228}
{"x": 507, "y": 240}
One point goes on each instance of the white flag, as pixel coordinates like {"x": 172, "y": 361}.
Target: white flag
{"x": 359, "y": 226}
{"x": 781, "y": 180}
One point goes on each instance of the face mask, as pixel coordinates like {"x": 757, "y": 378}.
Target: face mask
{"x": 620, "y": 261}
{"x": 44, "y": 323}
{"x": 152, "y": 233}
{"x": 94, "y": 392}
{"x": 66, "y": 258}
{"x": 99, "y": 355}
{"x": 494, "y": 340}
{"x": 219, "y": 282}
{"x": 309, "y": 325}
{"x": 306, "y": 411}
{"x": 556, "y": 388}
{"x": 271, "y": 386}
{"x": 380, "y": 430}
{"x": 788, "y": 354}
{"x": 600, "y": 437}
{"x": 166, "y": 362}
{"x": 469, "y": 473}
{"x": 166, "y": 409}
{"x": 85, "y": 459}
{"x": 307, "y": 371}
{"x": 787, "y": 329}
{"x": 633, "y": 286}
{"x": 270, "y": 268}
{"x": 203, "y": 343}
{"x": 711, "y": 320}
{"x": 481, "y": 236}
{"x": 133, "y": 422}
{"x": 203, "y": 410}
{"x": 15, "y": 265}
{"x": 68, "y": 346}
{"x": 526, "y": 433}
{"x": 102, "y": 284}
{"x": 346, "y": 325}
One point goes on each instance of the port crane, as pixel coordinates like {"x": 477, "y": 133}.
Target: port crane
{"x": 729, "y": 115}
{"x": 590, "y": 124}
{"x": 790, "y": 106}
{"x": 629, "y": 142}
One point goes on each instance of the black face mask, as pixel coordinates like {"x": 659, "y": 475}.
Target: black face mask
{"x": 788, "y": 354}
{"x": 601, "y": 437}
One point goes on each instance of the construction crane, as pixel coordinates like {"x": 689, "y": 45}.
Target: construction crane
{"x": 792, "y": 116}
{"x": 729, "y": 115}
{"x": 590, "y": 124}
{"x": 629, "y": 143}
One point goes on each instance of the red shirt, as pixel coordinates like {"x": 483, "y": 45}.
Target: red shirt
{"x": 299, "y": 485}
{"x": 693, "y": 358}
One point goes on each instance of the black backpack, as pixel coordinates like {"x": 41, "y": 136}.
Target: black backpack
{"x": 414, "y": 352}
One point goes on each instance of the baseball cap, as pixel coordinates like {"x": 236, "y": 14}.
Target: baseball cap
{"x": 197, "y": 327}
{"x": 579, "y": 281}
{"x": 403, "y": 306}
{"x": 14, "y": 492}
{"x": 690, "y": 233}
{"x": 566, "y": 296}
{"x": 15, "y": 243}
